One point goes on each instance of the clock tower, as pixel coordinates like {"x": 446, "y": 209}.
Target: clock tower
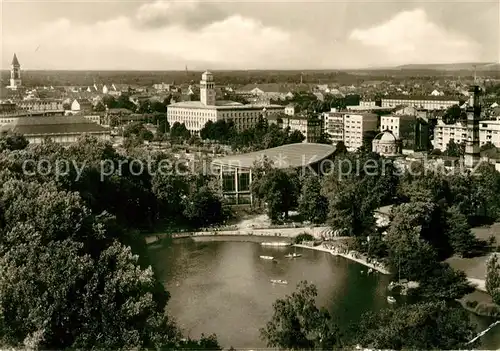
{"x": 207, "y": 89}
{"x": 15, "y": 74}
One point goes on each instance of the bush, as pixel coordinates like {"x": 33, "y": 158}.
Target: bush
{"x": 488, "y": 309}
{"x": 471, "y": 304}
{"x": 303, "y": 237}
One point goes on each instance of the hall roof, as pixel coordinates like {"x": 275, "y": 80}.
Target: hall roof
{"x": 286, "y": 156}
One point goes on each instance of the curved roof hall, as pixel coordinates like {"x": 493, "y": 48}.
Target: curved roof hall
{"x": 286, "y": 156}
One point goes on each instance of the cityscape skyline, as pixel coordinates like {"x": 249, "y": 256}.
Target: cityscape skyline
{"x": 168, "y": 35}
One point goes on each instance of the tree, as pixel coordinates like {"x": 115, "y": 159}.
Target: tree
{"x": 454, "y": 150}
{"x": 340, "y": 148}
{"x": 203, "y": 207}
{"x": 368, "y": 137}
{"x": 295, "y": 137}
{"x": 350, "y": 211}
{"x": 313, "y": 206}
{"x": 461, "y": 238}
{"x": 170, "y": 190}
{"x": 179, "y": 132}
{"x": 487, "y": 182}
{"x": 493, "y": 278}
{"x": 324, "y": 138}
{"x": 65, "y": 280}
{"x": 109, "y": 101}
{"x": 279, "y": 189}
{"x": 99, "y": 107}
{"x": 452, "y": 114}
{"x": 443, "y": 283}
{"x": 12, "y": 141}
{"x": 298, "y": 324}
{"x": 409, "y": 256}
{"x": 421, "y": 326}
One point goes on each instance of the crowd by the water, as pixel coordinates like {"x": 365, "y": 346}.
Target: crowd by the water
{"x": 339, "y": 248}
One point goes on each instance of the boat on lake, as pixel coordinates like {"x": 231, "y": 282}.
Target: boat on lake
{"x": 293, "y": 255}
{"x": 267, "y": 257}
{"x": 391, "y": 299}
{"x": 276, "y": 243}
{"x": 279, "y": 281}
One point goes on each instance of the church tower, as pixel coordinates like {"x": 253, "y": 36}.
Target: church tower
{"x": 473, "y": 111}
{"x": 207, "y": 89}
{"x": 15, "y": 73}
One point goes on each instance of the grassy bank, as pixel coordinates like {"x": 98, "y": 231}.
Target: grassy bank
{"x": 480, "y": 303}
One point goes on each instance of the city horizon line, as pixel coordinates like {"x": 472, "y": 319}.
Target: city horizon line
{"x": 407, "y": 66}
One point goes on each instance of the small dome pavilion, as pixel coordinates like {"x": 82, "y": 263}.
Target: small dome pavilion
{"x": 386, "y": 144}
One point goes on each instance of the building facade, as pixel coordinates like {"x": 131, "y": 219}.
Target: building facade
{"x": 40, "y": 105}
{"x": 235, "y": 172}
{"x": 489, "y": 132}
{"x": 195, "y": 114}
{"x": 310, "y": 127}
{"x": 60, "y": 129}
{"x": 355, "y": 127}
{"x": 15, "y": 74}
{"x": 386, "y": 144}
{"x": 333, "y": 125}
{"x": 424, "y": 102}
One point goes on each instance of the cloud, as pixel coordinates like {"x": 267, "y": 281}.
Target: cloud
{"x": 189, "y": 14}
{"x": 410, "y": 36}
{"x": 169, "y": 35}
{"x": 235, "y": 42}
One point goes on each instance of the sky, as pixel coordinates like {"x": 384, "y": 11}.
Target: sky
{"x": 233, "y": 34}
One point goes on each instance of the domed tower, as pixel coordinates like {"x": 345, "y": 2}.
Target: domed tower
{"x": 386, "y": 144}
{"x": 207, "y": 89}
{"x": 15, "y": 73}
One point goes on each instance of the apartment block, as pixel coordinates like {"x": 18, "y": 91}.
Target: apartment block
{"x": 333, "y": 124}
{"x": 424, "y": 102}
{"x": 310, "y": 127}
{"x": 489, "y": 132}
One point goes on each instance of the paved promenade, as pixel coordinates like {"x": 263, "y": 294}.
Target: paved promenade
{"x": 284, "y": 232}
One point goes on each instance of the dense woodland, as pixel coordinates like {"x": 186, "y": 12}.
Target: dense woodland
{"x": 431, "y": 220}
{"x": 145, "y": 78}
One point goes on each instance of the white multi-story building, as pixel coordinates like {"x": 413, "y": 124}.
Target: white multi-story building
{"x": 398, "y": 125}
{"x": 333, "y": 124}
{"x": 355, "y": 127}
{"x": 40, "y": 105}
{"x": 368, "y": 103}
{"x": 425, "y": 102}
{"x": 489, "y": 131}
{"x": 195, "y": 114}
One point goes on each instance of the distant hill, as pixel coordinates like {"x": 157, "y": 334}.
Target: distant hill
{"x": 468, "y": 66}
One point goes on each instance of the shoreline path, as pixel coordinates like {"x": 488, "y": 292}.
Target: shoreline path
{"x": 353, "y": 256}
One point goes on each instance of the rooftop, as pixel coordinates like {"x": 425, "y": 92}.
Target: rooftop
{"x": 386, "y": 136}
{"x": 291, "y": 155}
{"x": 366, "y": 108}
{"x": 421, "y": 97}
{"x": 15, "y": 62}
{"x": 52, "y": 125}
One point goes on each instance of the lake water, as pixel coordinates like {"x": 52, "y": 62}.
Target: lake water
{"x": 224, "y": 288}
